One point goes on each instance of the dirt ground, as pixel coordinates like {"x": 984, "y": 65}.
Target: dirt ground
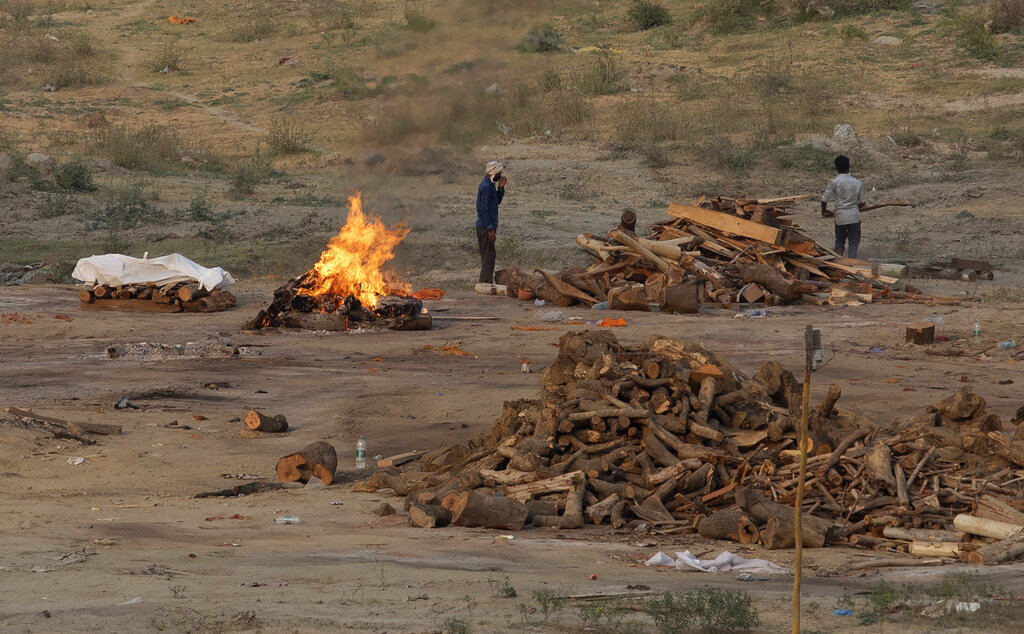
{"x": 156, "y": 559}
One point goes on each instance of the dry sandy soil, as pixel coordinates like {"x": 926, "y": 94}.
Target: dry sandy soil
{"x": 156, "y": 559}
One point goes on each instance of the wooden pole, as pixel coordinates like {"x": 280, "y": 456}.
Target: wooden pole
{"x": 797, "y": 511}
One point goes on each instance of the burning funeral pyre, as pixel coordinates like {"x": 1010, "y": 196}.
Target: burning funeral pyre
{"x": 347, "y": 288}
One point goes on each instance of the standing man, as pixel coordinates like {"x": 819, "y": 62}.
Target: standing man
{"x": 848, "y": 194}
{"x": 488, "y": 197}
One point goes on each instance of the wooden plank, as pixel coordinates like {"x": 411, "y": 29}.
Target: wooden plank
{"x": 399, "y": 459}
{"x": 727, "y": 223}
{"x": 566, "y": 289}
{"x": 981, "y": 266}
{"x": 807, "y": 266}
{"x": 131, "y": 306}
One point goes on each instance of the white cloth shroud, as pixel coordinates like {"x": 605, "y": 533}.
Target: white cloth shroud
{"x": 114, "y": 269}
{"x": 723, "y": 563}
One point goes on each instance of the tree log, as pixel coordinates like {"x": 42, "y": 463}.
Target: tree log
{"x": 316, "y": 459}
{"x": 935, "y": 549}
{"x": 999, "y": 552}
{"x": 922, "y": 534}
{"x": 488, "y": 511}
{"x": 261, "y": 422}
{"x": 429, "y": 516}
{"x": 558, "y": 484}
{"x": 756, "y": 504}
{"x": 829, "y": 402}
{"x": 572, "y": 516}
{"x": 986, "y": 527}
{"x": 773, "y": 280}
{"x": 731, "y": 525}
{"x": 506, "y": 477}
{"x": 653, "y": 510}
{"x": 878, "y": 463}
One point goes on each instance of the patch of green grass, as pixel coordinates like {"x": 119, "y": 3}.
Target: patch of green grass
{"x": 459, "y": 67}
{"x": 974, "y": 39}
{"x": 853, "y": 32}
{"x": 707, "y": 609}
{"x": 256, "y": 24}
{"x": 150, "y": 148}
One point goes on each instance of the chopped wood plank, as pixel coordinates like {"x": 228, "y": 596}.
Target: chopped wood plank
{"x": 104, "y": 429}
{"x": 727, "y": 223}
{"x": 398, "y": 459}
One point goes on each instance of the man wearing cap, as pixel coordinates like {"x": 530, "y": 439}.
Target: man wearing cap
{"x": 488, "y": 197}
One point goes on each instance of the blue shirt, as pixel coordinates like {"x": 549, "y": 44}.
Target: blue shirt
{"x": 488, "y": 197}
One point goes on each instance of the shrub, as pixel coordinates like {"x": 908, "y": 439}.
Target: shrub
{"x": 150, "y": 148}
{"x": 57, "y": 204}
{"x": 74, "y": 176}
{"x": 974, "y": 39}
{"x": 1007, "y": 15}
{"x": 126, "y": 210}
{"x": 287, "y": 137}
{"x": 169, "y": 57}
{"x": 708, "y": 609}
{"x": 569, "y": 109}
{"x": 550, "y": 80}
{"x": 255, "y": 25}
{"x": 641, "y": 123}
{"x": 247, "y": 174}
{"x": 734, "y": 16}
{"x": 601, "y": 78}
{"x": 853, "y": 32}
{"x": 647, "y": 15}
{"x": 199, "y": 208}
{"x": 543, "y": 39}
{"x": 417, "y": 22}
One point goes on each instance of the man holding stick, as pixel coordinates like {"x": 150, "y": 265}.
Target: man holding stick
{"x": 848, "y": 194}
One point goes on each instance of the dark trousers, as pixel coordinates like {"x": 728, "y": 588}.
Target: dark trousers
{"x": 851, "y": 233}
{"x": 486, "y": 256}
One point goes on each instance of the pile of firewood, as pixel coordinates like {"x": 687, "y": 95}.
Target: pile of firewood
{"x": 670, "y": 437}
{"x": 150, "y": 297}
{"x": 728, "y": 251}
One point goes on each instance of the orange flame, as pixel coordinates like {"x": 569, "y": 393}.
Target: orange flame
{"x": 352, "y": 263}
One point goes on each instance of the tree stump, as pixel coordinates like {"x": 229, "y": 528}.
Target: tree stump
{"x": 261, "y": 422}
{"x": 316, "y": 459}
{"x": 779, "y": 533}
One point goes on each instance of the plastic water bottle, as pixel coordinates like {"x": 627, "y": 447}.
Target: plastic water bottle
{"x": 361, "y": 453}
{"x": 287, "y": 519}
{"x": 977, "y": 329}
{"x": 1007, "y": 344}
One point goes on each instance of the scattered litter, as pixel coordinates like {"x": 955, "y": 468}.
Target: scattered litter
{"x": 723, "y": 563}
{"x": 74, "y": 557}
{"x": 526, "y": 367}
{"x": 131, "y": 601}
{"x": 191, "y": 350}
{"x": 63, "y": 317}
{"x": 174, "y": 19}
{"x": 755, "y": 312}
{"x": 229, "y": 545}
{"x": 611, "y": 323}
{"x": 111, "y": 541}
{"x": 75, "y": 461}
{"x": 453, "y": 348}
{"x": 287, "y": 519}
{"x": 600, "y": 306}
{"x": 124, "y": 403}
{"x": 842, "y": 613}
{"x": 266, "y": 584}
{"x": 287, "y": 61}
{"x": 646, "y": 543}
{"x": 429, "y": 293}
{"x": 1007, "y": 344}
{"x": 875, "y": 350}
{"x": 418, "y": 597}
{"x": 750, "y": 577}
{"x": 315, "y": 483}
{"x": 944, "y": 608}
{"x": 539, "y": 302}
{"x": 14, "y": 318}
{"x": 593, "y": 577}
{"x": 337, "y": 503}
{"x": 551, "y": 315}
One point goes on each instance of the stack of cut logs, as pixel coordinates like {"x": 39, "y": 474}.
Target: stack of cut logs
{"x": 669, "y": 436}
{"x": 726, "y": 250}
{"x": 149, "y": 297}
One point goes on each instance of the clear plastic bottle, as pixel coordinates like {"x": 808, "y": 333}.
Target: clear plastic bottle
{"x": 287, "y": 519}
{"x": 361, "y": 453}
{"x": 977, "y": 329}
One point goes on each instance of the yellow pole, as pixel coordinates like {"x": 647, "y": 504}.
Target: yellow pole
{"x": 798, "y": 510}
